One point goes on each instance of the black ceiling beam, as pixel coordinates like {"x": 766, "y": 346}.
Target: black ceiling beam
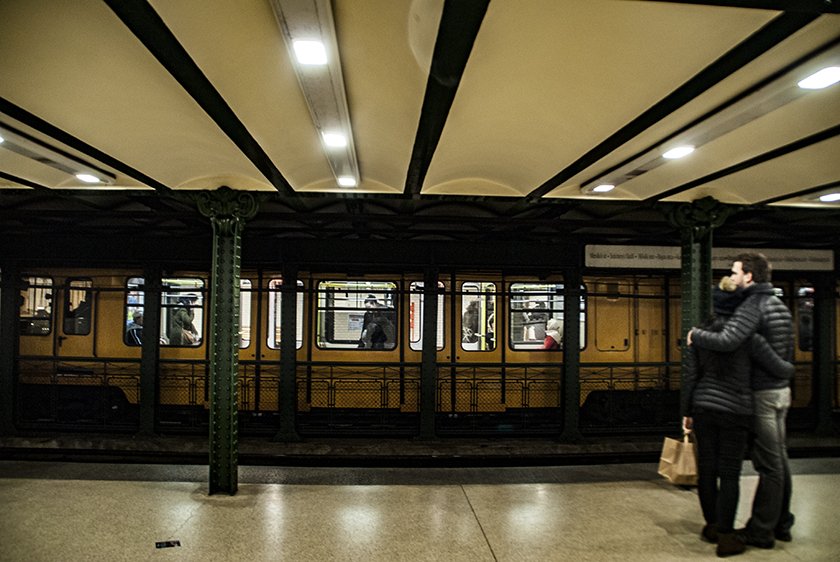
{"x": 151, "y": 30}
{"x": 803, "y": 6}
{"x": 801, "y": 193}
{"x": 459, "y": 25}
{"x": 21, "y": 181}
{"x": 67, "y": 139}
{"x": 805, "y": 142}
{"x": 776, "y": 31}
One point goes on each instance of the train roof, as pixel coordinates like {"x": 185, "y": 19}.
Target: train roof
{"x": 469, "y": 119}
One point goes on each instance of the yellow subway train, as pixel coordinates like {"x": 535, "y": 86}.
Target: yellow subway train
{"x": 359, "y": 339}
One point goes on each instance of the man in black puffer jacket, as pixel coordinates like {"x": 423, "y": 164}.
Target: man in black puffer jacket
{"x": 764, "y": 313}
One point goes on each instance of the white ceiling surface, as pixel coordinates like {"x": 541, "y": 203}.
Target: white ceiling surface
{"x": 546, "y": 81}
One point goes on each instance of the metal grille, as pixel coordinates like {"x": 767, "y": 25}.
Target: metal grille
{"x": 78, "y": 394}
{"x": 616, "y": 397}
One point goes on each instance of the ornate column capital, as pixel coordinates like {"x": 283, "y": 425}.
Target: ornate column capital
{"x": 227, "y": 208}
{"x": 701, "y": 215}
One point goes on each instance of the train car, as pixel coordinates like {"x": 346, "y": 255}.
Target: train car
{"x": 359, "y": 343}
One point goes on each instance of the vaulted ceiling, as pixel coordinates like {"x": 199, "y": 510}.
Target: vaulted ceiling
{"x": 471, "y": 119}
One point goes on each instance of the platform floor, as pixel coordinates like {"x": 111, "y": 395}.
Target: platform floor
{"x": 59, "y": 511}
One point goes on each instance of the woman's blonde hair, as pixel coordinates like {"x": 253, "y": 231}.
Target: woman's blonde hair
{"x": 727, "y": 284}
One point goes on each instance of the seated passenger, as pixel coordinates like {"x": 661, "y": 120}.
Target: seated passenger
{"x": 553, "y": 336}
{"x": 134, "y": 330}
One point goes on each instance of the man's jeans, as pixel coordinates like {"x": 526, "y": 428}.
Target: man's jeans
{"x": 771, "y": 505}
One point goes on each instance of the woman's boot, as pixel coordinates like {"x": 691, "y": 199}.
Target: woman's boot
{"x": 729, "y": 545}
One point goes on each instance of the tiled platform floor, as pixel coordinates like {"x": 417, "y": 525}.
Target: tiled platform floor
{"x": 87, "y": 511}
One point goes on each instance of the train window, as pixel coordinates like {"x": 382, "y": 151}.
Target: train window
{"x": 532, "y": 307}
{"x": 77, "y": 307}
{"x": 36, "y": 306}
{"x": 182, "y": 312}
{"x": 805, "y": 318}
{"x": 134, "y": 312}
{"x": 415, "y": 317}
{"x": 478, "y": 316}
{"x": 274, "y": 314}
{"x": 245, "y": 292}
{"x": 356, "y": 315}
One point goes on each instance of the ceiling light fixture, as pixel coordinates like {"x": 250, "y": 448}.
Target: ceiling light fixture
{"x": 310, "y": 52}
{"x": 821, "y": 79}
{"x": 678, "y": 152}
{"x": 311, "y": 21}
{"x": 822, "y": 68}
{"x": 41, "y": 152}
{"x": 603, "y": 188}
{"x": 830, "y": 197}
{"x": 335, "y": 140}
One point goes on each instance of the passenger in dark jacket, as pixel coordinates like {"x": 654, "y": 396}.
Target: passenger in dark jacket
{"x": 763, "y": 313}
{"x": 718, "y": 404}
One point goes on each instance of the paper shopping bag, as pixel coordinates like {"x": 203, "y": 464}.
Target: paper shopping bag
{"x": 678, "y": 461}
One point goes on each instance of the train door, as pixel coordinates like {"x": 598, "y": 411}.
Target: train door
{"x": 76, "y": 310}
{"x": 611, "y": 318}
{"x": 415, "y": 302}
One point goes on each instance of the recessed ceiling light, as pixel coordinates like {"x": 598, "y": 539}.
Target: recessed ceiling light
{"x": 2, "y": 139}
{"x": 346, "y": 181}
{"x": 335, "y": 140}
{"x": 310, "y": 52}
{"x": 88, "y": 178}
{"x": 829, "y": 197}
{"x": 821, "y": 79}
{"x": 603, "y": 188}
{"x": 678, "y": 152}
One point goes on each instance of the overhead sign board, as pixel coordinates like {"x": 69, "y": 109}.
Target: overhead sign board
{"x": 668, "y": 257}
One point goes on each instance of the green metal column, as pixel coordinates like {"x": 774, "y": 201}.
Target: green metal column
{"x": 150, "y": 353}
{"x": 9, "y": 307}
{"x": 824, "y": 352}
{"x": 572, "y": 280}
{"x": 288, "y": 356}
{"x": 428, "y": 372}
{"x": 228, "y": 210}
{"x": 696, "y": 221}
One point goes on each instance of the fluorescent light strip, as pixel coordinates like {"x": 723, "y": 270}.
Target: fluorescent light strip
{"x": 771, "y": 97}
{"x": 821, "y": 79}
{"x": 42, "y": 153}
{"x": 322, "y": 85}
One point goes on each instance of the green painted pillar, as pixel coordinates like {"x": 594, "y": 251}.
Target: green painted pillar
{"x": 227, "y": 210}
{"x": 9, "y": 308}
{"x": 696, "y": 221}
{"x": 150, "y": 352}
{"x": 428, "y": 369}
{"x": 288, "y": 356}
{"x": 572, "y": 281}
{"x": 825, "y": 352}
